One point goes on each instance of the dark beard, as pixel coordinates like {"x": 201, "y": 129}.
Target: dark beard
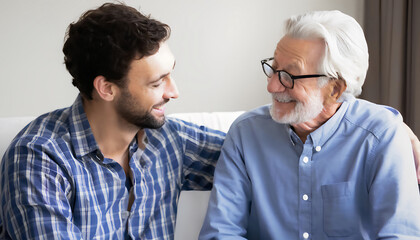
{"x": 145, "y": 120}
{"x": 126, "y": 108}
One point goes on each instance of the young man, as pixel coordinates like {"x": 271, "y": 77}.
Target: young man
{"x": 317, "y": 163}
{"x": 110, "y": 166}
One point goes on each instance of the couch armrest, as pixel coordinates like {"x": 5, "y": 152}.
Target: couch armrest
{"x": 216, "y": 120}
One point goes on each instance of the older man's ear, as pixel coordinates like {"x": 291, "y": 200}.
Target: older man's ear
{"x": 335, "y": 89}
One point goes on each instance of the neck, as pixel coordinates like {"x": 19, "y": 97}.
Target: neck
{"x": 305, "y": 128}
{"x": 112, "y": 134}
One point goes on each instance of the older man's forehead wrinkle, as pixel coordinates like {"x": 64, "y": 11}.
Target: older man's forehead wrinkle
{"x": 291, "y": 60}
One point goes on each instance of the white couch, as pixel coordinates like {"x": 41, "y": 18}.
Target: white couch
{"x": 192, "y": 205}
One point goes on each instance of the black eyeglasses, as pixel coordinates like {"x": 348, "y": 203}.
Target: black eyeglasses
{"x": 286, "y": 79}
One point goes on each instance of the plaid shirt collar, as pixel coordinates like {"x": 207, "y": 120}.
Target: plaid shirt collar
{"x": 80, "y": 132}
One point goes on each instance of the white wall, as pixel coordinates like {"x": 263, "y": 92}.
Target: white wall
{"x": 218, "y": 45}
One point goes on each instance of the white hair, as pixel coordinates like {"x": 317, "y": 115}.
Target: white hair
{"x": 346, "y": 52}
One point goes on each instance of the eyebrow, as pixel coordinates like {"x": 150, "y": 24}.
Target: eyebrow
{"x": 293, "y": 66}
{"x": 163, "y": 75}
{"x": 289, "y": 67}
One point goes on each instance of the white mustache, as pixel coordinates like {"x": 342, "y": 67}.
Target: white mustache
{"x": 282, "y": 97}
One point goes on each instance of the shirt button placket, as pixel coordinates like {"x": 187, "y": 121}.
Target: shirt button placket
{"x": 305, "y": 189}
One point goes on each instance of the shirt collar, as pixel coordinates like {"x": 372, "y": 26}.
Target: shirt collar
{"x": 80, "y": 132}
{"x": 323, "y": 133}
{"x": 82, "y": 136}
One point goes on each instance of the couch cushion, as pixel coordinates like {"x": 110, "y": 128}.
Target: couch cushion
{"x": 216, "y": 120}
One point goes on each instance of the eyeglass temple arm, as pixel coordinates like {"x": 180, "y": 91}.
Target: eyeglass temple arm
{"x": 267, "y": 59}
{"x": 308, "y": 76}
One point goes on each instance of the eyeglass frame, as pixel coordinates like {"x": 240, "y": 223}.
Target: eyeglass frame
{"x": 293, "y": 77}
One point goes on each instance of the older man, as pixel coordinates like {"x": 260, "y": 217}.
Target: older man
{"x": 317, "y": 163}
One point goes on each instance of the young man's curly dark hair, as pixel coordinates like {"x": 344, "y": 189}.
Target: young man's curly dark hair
{"x": 104, "y": 41}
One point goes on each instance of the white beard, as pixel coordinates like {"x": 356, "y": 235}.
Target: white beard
{"x": 302, "y": 112}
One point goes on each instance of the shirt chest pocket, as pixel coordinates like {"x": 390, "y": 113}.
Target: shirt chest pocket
{"x": 339, "y": 209}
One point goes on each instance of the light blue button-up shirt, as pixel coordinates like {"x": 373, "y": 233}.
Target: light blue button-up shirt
{"x": 353, "y": 178}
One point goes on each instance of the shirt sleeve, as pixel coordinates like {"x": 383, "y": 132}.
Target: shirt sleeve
{"x": 34, "y": 193}
{"x": 393, "y": 191}
{"x": 201, "y": 150}
{"x": 230, "y": 199}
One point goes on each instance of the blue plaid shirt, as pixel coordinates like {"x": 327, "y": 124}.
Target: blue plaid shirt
{"x": 55, "y": 183}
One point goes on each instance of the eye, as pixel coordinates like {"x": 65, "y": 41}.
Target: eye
{"x": 157, "y": 83}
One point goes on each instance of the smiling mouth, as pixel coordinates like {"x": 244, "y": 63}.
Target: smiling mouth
{"x": 160, "y": 107}
{"x": 288, "y": 100}
{"x": 285, "y": 101}
{"x": 282, "y": 98}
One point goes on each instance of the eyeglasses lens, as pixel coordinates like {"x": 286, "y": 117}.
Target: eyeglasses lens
{"x": 286, "y": 80}
{"x": 268, "y": 70}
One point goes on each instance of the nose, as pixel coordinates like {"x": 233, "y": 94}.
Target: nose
{"x": 274, "y": 85}
{"x": 171, "y": 90}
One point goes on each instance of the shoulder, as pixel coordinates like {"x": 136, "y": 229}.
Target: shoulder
{"x": 373, "y": 117}
{"x": 50, "y": 125}
{"x": 41, "y": 147}
{"x": 47, "y": 129}
{"x": 249, "y": 118}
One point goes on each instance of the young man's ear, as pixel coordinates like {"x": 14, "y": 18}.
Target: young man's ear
{"x": 105, "y": 90}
